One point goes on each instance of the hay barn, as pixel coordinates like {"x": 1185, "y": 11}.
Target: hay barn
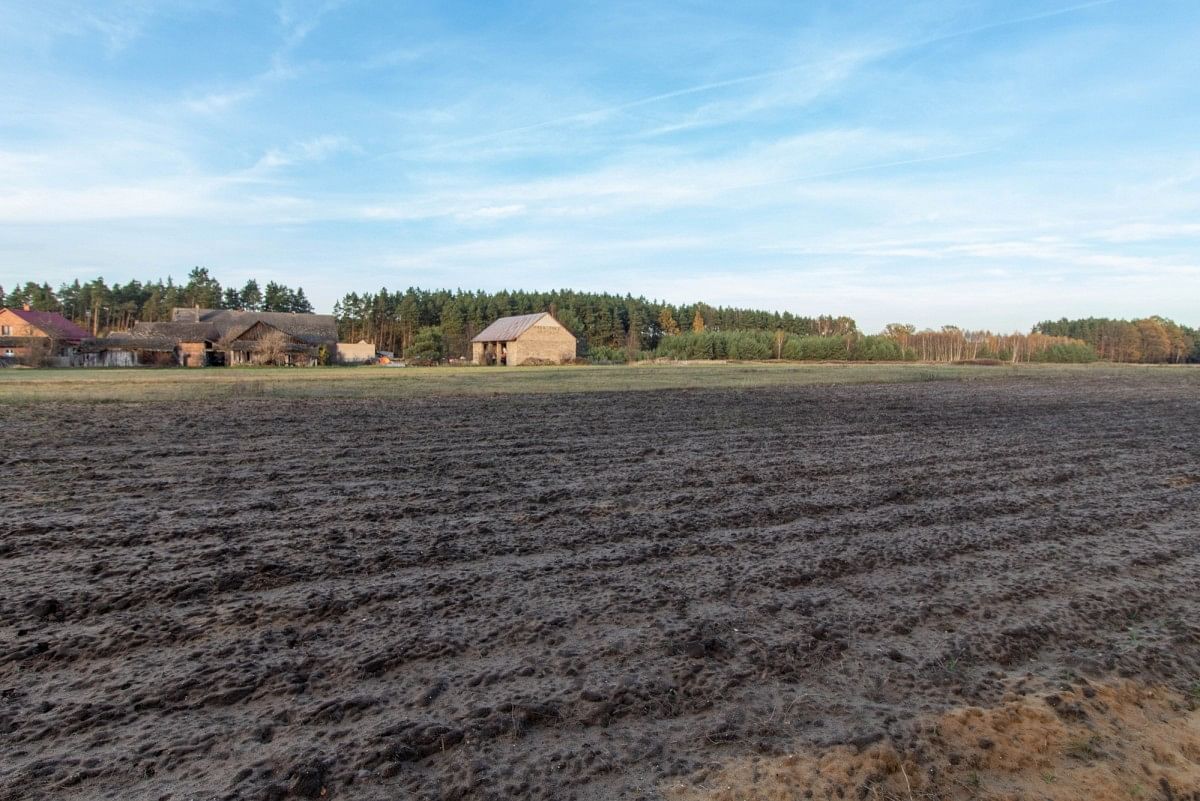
{"x": 525, "y": 339}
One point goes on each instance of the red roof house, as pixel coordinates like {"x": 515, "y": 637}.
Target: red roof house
{"x": 52, "y": 325}
{"x": 36, "y": 336}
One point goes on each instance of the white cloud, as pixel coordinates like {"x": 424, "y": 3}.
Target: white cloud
{"x": 312, "y": 150}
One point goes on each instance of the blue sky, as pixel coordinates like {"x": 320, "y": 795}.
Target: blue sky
{"x": 987, "y": 164}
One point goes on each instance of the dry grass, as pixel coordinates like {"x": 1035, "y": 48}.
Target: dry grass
{"x": 147, "y": 384}
{"x": 1103, "y": 742}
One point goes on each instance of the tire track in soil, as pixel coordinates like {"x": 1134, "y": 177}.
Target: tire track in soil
{"x": 595, "y": 594}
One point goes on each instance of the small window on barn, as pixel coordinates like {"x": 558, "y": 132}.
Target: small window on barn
{"x": 5, "y": 330}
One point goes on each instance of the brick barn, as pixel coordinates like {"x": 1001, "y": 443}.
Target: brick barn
{"x": 525, "y": 339}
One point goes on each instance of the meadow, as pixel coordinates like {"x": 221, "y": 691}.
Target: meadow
{"x": 148, "y": 384}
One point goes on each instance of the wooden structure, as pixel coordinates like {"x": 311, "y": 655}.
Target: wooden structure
{"x": 211, "y": 337}
{"x": 524, "y": 339}
{"x": 37, "y": 336}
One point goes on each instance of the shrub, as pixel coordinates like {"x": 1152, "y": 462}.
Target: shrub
{"x": 876, "y": 348}
{"x": 601, "y": 354}
{"x": 749, "y": 345}
{"x": 815, "y": 348}
{"x": 427, "y": 346}
{"x": 1067, "y": 353}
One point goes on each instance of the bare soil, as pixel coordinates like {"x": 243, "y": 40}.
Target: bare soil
{"x": 1075, "y": 740}
{"x": 566, "y": 596}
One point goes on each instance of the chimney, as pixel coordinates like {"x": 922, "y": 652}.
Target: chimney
{"x": 197, "y": 312}
{"x": 25, "y": 306}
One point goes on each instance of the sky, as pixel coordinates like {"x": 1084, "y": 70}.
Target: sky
{"x": 985, "y": 164}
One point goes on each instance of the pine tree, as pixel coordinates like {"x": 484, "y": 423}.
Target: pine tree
{"x": 276, "y": 298}
{"x": 251, "y": 296}
{"x": 299, "y": 303}
{"x": 202, "y": 289}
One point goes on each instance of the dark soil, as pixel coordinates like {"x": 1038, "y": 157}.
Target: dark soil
{"x": 569, "y": 596}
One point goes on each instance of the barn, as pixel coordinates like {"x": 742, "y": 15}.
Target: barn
{"x": 524, "y": 339}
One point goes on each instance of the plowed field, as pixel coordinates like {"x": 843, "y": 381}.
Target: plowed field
{"x": 585, "y": 596}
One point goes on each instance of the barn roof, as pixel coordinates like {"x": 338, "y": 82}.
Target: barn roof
{"x": 506, "y": 329}
{"x": 179, "y": 332}
{"x": 53, "y": 323}
{"x": 315, "y": 329}
{"x": 124, "y": 341}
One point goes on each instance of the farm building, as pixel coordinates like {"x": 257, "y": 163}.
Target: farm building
{"x": 525, "y": 339}
{"x": 355, "y": 352}
{"x": 245, "y": 337}
{"x": 203, "y": 337}
{"x": 37, "y": 336}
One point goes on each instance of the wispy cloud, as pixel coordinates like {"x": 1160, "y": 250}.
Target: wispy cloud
{"x": 312, "y": 150}
{"x": 834, "y": 160}
{"x": 222, "y": 100}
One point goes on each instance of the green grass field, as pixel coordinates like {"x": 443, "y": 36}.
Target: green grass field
{"x": 139, "y": 385}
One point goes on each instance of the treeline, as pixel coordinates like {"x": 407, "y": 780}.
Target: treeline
{"x": 906, "y": 345}
{"x": 441, "y": 324}
{"x": 101, "y": 308}
{"x": 1151, "y": 340}
{"x": 603, "y": 323}
{"x": 953, "y": 344}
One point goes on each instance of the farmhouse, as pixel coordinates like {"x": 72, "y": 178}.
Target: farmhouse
{"x": 36, "y": 336}
{"x": 525, "y": 339}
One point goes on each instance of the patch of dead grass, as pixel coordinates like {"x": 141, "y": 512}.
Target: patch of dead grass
{"x": 1102, "y": 742}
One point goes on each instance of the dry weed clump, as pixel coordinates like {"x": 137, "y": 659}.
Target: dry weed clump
{"x": 1102, "y": 742}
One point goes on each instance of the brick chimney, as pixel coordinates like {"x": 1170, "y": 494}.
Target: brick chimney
{"x": 26, "y": 307}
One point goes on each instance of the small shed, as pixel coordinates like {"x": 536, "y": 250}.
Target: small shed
{"x": 524, "y": 339}
{"x": 355, "y": 352}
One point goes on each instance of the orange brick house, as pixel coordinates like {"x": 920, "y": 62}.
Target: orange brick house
{"x": 29, "y": 336}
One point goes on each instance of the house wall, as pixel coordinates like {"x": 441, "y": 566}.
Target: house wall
{"x": 544, "y": 341}
{"x": 18, "y": 327}
{"x": 193, "y": 354}
{"x": 355, "y": 352}
{"x": 33, "y": 351}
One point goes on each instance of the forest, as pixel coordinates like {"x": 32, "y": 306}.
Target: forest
{"x": 1150, "y": 340}
{"x": 437, "y": 325}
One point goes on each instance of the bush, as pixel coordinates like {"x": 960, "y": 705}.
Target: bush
{"x": 1066, "y": 353}
{"x": 876, "y": 349}
{"x": 749, "y": 345}
{"x": 601, "y": 354}
{"x": 427, "y": 346}
{"x": 815, "y": 349}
